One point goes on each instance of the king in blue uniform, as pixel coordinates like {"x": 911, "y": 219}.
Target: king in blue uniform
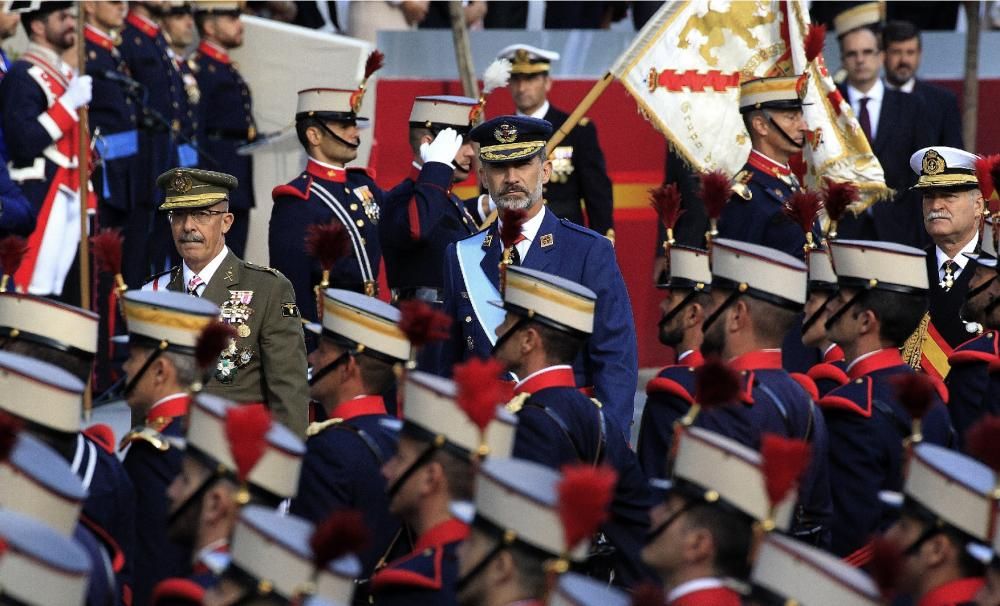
{"x": 326, "y": 122}
{"x": 514, "y": 169}
{"x": 224, "y": 108}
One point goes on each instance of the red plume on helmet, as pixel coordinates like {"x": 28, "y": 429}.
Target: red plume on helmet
{"x": 915, "y": 392}
{"x": 982, "y": 441}
{"x": 327, "y": 243}
{"x": 837, "y": 198}
{"x": 12, "y": 251}
{"x": 814, "y": 40}
{"x": 666, "y": 201}
{"x": 885, "y": 565}
{"x": 802, "y": 208}
{"x": 585, "y": 494}
{"x": 479, "y": 389}
{"x": 715, "y": 192}
{"x": 10, "y": 428}
{"x": 246, "y": 431}
{"x": 342, "y": 532}
{"x": 374, "y": 63}
{"x": 648, "y": 594}
{"x": 107, "y": 245}
{"x": 716, "y": 383}
{"x": 214, "y": 338}
{"x": 784, "y": 460}
{"x": 511, "y": 221}
{"x": 422, "y": 324}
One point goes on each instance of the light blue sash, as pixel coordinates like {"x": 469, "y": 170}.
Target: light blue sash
{"x": 481, "y": 290}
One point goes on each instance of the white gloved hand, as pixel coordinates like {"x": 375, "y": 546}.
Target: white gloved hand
{"x": 79, "y": 92}
{"x": 443, "y": 148}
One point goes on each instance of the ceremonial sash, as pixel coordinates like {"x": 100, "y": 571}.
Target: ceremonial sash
{"x": 934, "y": 352}
{"x": 357, "y": 241}
{"x": 481, "y": 291}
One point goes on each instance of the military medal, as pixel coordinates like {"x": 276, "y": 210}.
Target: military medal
{"x": 243, "y": 331}
{"x": 368, "y": 202}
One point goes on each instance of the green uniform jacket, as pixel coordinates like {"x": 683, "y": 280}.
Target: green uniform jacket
{"x": 268, "y": 363}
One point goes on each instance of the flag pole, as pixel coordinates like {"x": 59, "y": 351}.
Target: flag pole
{"x": 83, "y": 155}
{"x": 581, "y": 109}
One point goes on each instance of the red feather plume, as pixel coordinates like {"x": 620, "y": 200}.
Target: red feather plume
{"x": 784, "y": 460}
{"x": 837, "y": 196}
{"x": 994, "y": 205}
{"x": 246, "y": 430}
{"x": 982, "y": 441}
{"x": 374, "y": 63}
{"x": 12, "y": 251}
{"x": 214, "y": 338}
{"x": 715, "y": 383}
{"x": 666, "y": 201}
{"x": 510, "y": 225}
{"x": 343, "y": 532}
{"x": 915, "y": 391}
{"x": 815, "y": 38}
{"x": 327, "y": 243}
{"x": 648, "y": 594}
{"x": 479, "y": 390}
{"x": 886, "y": 565}
{"x": 422, "y": 324}
{"x": 715, "y": 192}
{"x": 984, "y": 174}
{"x": 10, "y": 427}
{"x": 107, "y": 245}
{"x": 585, "y": 493}
{"x": 803, "y": 207}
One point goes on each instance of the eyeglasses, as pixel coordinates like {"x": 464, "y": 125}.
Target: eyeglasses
{"x": 201, "y": 217}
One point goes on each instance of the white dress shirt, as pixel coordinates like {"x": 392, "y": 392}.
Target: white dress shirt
{"x": 529, "y": 229}
{"x": 874, "y": 103}
{"x": 206, "y": 273}
{"x": 960, "y": 259}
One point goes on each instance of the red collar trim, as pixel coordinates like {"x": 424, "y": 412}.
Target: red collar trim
{"x": 956, "y": 592}
{"x": 214, "y": 52}
{"x": 886, "y": 358}
{"x": 769, "y": 166}
{"x": 552, "y": 377}
{"x": 757, "y": 360}
{"x": 359, "y": 407}
{"x": 96, "y": 36}
{"x": 834, "y": 354}
{"x": 177, "y": 406}
{"x": 143, "y": 24}
{"x": 693, "y": 359}
{"x": 451, "y": 531}
{"x": 335, "y": 174}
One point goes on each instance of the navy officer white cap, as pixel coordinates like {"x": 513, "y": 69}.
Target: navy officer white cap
{"x": 574, "y": 589}
{"x": 37, "y": 482}
{"x": 40, "y": 392}
{"x": 530, "y": 53}
{"x": 40, "y": 566}
{"x": 944, "y": 167}
{"x": 759, "y": 271}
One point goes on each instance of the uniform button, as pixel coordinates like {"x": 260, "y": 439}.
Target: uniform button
{"x": 364, "y": 242}
{"x": 428, "y": 552}
{"x": 172, "y": 89}
{"x": 354, "y": 207}
{"x": 468, "y": 319}
{"x": 347, "y": 190}
{"x": 176, "y": 105}
{"x": 360, "y": 223}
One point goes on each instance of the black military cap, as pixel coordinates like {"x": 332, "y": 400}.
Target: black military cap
{"x": 508, "y": 138}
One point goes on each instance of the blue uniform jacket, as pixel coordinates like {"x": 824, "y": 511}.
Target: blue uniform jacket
{"x": 101, "y": 588}
{"x": 867, "y": 427}
{"x": 425, "y": 576}
{"x": 756, "y": 213}
{"x": 968, "y": 382}
{"x": 421, "y": 218}
{"x": 558, "y": 425}
{"x": 226, "y": 119}
{"x": 319, "y": 195}
{"x": 778, "y": 404}
{"x": 152, "y": 470}
{"x": 610, "y": 359}
{"x": 831, "y": 373}
{"x": 342, "y": 470}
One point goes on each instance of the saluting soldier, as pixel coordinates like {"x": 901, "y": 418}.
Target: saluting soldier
{"x": 266, "y": 362}
{"x": 163, "y": 328}
{"x": 224, "y": 108}
{"x": 579, "y": 173}
{"x": 353, "y": 365}
{"x": 326, "y": 122}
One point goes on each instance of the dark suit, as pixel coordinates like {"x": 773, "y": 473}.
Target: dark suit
{"x": 968, "y": 382}
{"x": 943, "y": 117}
{"x": 945, "y": 306}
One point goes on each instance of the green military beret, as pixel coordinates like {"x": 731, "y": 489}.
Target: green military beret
{"x": 194, "y": 188}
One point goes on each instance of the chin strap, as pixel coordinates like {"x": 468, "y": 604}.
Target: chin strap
{"x": 670, "y": 315}
{"x": 332, "y": 366}
{"x": 832, "y": 320}
{"x": 719, "y": 310}
{"x": 423, "y": 459}
{"x": 521, "y": 323}
{"x": 337, "y": 137}
{"x": 145, "y": 366}
{"x": 781, "y": 130}
{"x": 480, "y": 566}
{"x": 819, "y": 312}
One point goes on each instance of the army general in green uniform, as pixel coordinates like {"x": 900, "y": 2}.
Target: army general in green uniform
{"x": 266, "y": 362}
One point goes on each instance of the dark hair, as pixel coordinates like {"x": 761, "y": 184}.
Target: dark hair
{"x": 416, "y": 134}
{"x": 376, "y": 375}
{"x": 732, "y": 534}
{"x": 300, "y": 130}
{"x": 560, "y": 346}
{"x": 531, "y": 573}
{"x": 874, "y": 28}
{"x": 459, "y": 474}
{"x": 899, "y": 31}
{"x": 200, "y": 17}
{"x": 770, "y": 322}
{"x": 898, "y": 313}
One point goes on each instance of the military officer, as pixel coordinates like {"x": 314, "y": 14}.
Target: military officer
{"x": 267, "y": 360}
{"x": 579, "y": 172}
{"x": 326, "y": 122}
{"x": 422, "y": 216}
{"x": 515, "y": 170}
{"x": 218, "y": 477}
{"x": 224, "y": 107}
{"x": 882, "y": 295}
{"x": 353, "y": 365}
{"x": 772, "y": 114}
{"x": 670, "y": 394}
{"x": 830, "y": 372}
{"x": 163, "y": 330}
{"x": 757, "y": 293}
{"x": 968, "y": 377}
{"x": 432, "y": 467}
{"x": 548, "y": 321}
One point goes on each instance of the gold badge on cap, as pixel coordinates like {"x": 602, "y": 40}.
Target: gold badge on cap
{"x": 933, "y": 163}
{"x": 181, "y": 183}
{"x": 505, "y": 133}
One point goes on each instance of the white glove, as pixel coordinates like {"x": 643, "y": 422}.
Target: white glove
{"x": 79, "y": 92}
{"x": 443, "y": 148}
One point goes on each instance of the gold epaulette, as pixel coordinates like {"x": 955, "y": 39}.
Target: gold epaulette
{"x": 741, "y": 184}
{"x": 610, "y": 235}
{"x": 597, "y": 402}
{"x": 145, "y": 434}
{"x": 584, "y": 121}
{"x": 517, "y": 403}
{"x": 319, "y": 426}
{"x": 913, "y": 346}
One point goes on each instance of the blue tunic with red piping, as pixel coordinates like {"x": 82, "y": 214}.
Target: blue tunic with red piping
{"x": 425, "y": 576}
{"x": 867, "y": 427}
{"x": 831, "y": 373}
{"x": 968, "y": 382}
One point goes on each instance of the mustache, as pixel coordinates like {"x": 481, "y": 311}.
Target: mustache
{"x": 514, "y": 189}
{"x": 191, "y": 238}
{"x": 937, "y": 214}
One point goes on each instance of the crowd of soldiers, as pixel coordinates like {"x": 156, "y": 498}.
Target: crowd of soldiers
{"x": 285, "y": 436}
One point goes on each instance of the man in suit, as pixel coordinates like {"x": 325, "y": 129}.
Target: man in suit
{"x": 901, "y": 41}
{"x": 515, "y": 170}
{"x": 893, "y": 122}
{"x": 578, "y": 168}
{"x": 267, "y": 360}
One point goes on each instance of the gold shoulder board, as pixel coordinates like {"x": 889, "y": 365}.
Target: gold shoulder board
{"x": 146, "y": 434}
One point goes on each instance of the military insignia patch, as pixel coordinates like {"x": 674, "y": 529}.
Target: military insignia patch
{"x": 933, "y": 163}
{"x": 547, "y": 240}
{"x": 488, "y": 240}
{"x": 289, "y": 310}
{"x": 505, "y": 133}
{"x": 181, "y": 183}
{"x": 368, "y": 202}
